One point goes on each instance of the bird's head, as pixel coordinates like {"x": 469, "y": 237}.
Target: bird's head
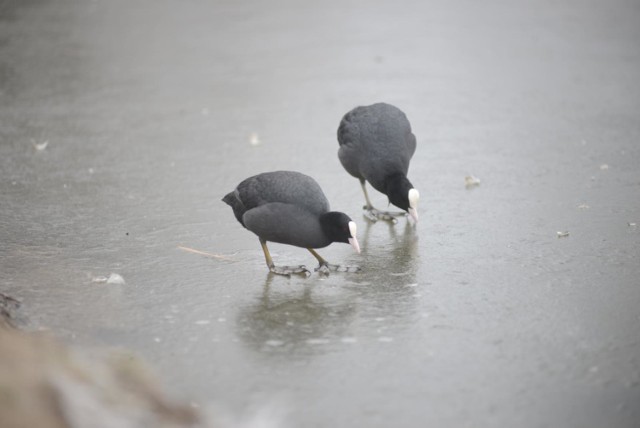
{"x": 401, "y": 193}
{"x": 340, "y": 228}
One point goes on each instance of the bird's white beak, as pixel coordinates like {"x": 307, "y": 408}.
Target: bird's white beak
{"x": 353, "y": 240}
{"x": 414, "y": 196}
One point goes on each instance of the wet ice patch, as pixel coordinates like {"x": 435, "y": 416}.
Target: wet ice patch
{"x": 318, "y": 341}
{"x": 270, "y": 414}
{"x": 399, "y": 273}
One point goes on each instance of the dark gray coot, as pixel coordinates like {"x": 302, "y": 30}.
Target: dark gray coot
{"x": 376, "y": 145}
{"x": 290, "y": 208}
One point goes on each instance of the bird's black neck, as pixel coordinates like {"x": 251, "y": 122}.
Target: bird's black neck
{"x": 335, "y": 226}
{"x": 397, "y": 188}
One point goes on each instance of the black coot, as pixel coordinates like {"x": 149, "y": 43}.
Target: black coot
{"x": 376, "y": 145}
{"x": 290, "y": 208}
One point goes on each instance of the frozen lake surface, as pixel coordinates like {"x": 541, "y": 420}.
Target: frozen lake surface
{"x": 480, "y": 316}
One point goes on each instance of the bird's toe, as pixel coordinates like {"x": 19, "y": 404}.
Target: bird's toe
{"x": 326, "y": 268}
{"x": 349, "y": 269}
{"x": 374, "y": 215}
{"x": 323, "y": 269}
{"x": 290, "y": 270}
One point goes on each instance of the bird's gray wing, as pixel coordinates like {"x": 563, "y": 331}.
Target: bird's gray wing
{"x": 286, "y": 224}
{"x": 288, "y": 187}
{"x": 350, "y": 145}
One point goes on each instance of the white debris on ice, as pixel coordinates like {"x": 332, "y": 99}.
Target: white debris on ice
{"x": 41, "y": 146}
{"x": 471, "y": 181}
{"x": 253, "y": 139}
{"x": 115, "y": 278}
{"x": 563, "y": 234}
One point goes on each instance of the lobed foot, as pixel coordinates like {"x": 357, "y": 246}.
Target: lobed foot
{"x": 290, "y": 270}
{"x": 374, "y": 214}
{"x": 326, "y": 268}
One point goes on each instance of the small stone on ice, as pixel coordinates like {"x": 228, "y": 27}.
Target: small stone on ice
{"x": 471, "y": 181}
{"x": 562, "y": 234}
{"x": 115, "y": 278}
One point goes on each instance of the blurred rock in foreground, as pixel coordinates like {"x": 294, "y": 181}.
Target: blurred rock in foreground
{"x": 46, "y": 385}
{"x": 8, "y": 310}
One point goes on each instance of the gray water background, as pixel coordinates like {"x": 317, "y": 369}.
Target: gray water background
{"x": 479, "y": 316}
